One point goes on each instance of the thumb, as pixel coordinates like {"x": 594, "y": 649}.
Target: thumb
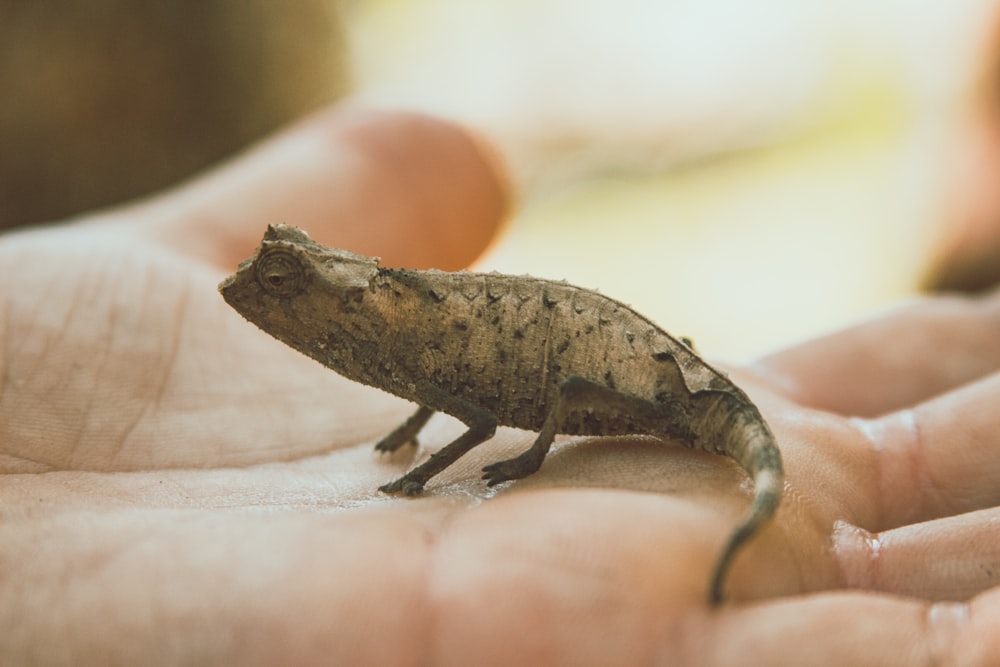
{"x": 417, "y": 191}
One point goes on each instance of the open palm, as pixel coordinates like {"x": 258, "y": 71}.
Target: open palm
{"x": 181, "y": 487}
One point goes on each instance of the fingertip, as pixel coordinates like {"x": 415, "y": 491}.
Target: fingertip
{"x": 435, "y": 193}
{"x": 415, "y": 190}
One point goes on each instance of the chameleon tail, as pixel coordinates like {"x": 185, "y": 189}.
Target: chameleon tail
{"x": 752, "y": 445}
{"x": 767, "y": 495}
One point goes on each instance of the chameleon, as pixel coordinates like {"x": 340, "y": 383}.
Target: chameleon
{"x": 499, "y": 350}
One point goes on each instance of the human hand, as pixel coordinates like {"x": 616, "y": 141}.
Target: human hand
{"x": 181, "y": 487}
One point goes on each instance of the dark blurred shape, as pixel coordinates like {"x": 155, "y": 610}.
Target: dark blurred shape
{"x": 967, "y": 254}
{"x": 106, "y": 100}
{"x": 969, "y": 270}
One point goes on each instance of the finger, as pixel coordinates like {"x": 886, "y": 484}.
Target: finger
{"x": 894, "y": 361}
{"x": 855, "y": 629}
{"x": 414, "y": 190}
{"x": 947, "y": 559}
{"x": 940, "y": 458}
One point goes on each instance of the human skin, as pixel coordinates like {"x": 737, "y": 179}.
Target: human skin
{"x": 179, "y": 487}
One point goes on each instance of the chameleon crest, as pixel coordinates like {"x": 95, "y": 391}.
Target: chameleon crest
{"x": 498, "y": 350}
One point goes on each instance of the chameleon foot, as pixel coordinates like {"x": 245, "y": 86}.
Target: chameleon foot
{"x": 390, "y": 444}
{"x": 515, "y": 468}
{"x": 403, "y": 485}
{"x": 406, "y": 432}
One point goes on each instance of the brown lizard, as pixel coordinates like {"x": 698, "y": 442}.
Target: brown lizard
{"x": 493, "y": 349}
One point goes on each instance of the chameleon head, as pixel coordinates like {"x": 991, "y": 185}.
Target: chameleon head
{"x": 290, "y": 278}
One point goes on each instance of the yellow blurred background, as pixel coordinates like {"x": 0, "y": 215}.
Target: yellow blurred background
{"x": 746, "y": 173}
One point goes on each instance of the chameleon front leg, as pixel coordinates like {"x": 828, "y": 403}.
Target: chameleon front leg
{"x": 405, "y": 432}
{"x": 668, "y": 419}
{"x": 482, "y": 425}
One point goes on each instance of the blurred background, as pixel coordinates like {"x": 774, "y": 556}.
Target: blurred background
{"x": 745, "y": 172}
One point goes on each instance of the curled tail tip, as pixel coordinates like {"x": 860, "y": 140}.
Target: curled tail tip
{"x": 768, "y": 487}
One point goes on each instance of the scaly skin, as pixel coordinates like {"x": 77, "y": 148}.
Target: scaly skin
{"x": 497, "y": 350}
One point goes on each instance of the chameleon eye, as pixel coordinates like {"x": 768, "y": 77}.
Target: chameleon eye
{"x": 279, "y": 272}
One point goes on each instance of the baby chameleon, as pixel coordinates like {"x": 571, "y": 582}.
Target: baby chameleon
{"x": 492, "y": 349}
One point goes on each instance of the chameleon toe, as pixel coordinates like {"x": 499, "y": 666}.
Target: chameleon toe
{"x": 402, "y": 485}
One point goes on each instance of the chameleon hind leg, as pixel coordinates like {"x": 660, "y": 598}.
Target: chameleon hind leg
{"x": 577, "y": 394}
